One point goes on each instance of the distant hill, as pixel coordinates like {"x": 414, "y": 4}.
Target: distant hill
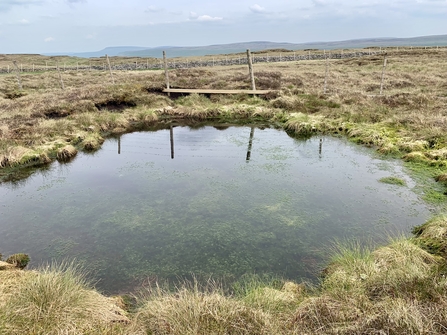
{"x": 219, "y": 49}
{"x": 110, "y": 51}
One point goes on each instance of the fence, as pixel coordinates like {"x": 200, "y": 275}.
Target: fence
{"x": 185, "y": 64}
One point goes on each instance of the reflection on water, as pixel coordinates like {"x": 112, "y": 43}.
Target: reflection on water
{"x": 213, "y": 201}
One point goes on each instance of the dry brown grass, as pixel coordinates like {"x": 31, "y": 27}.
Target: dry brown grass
{"x": 55, "y": 300}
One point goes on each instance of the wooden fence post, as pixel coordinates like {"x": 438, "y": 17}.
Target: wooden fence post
{"x": 110, "y": 69}
{"x": 383, "y": 74}
{"x": 19, "y": 81}
{"x": 165, "y": 62}
{"x": 250, "y": 69}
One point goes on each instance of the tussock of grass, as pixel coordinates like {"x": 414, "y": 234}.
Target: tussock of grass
{"x": 393, "y": 289}
{"x": 432, "y": 236}
{"x": 305, "y": 125}
{"x": 191, "y": 311}
{"x": 66, "y": 153}
{"x": 55, "y": 300}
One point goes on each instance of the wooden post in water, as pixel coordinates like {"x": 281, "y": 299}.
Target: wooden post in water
{"x": 171, "y": 135}
{"x": 119, "y": 145}
{"x": 19, "y": 81}
{"x": 250, "y": 69}
{"x": 320, "y": 149}
{"x": 165, "y": 62}
{"x": 383, "y": 75}
{"x": 250, "y": 144}
{"x": 110, "y": 69}
{"x": 60, "y": 76}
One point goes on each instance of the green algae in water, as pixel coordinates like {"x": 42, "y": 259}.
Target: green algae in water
{"x": 213, "y": 210}
{"x": 393, "y": 181}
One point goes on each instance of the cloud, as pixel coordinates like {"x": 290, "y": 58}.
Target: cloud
{"x": 193, "y": 16}
{"x": 76, "y": 1}
{"x": 257, "y": 9}
{"x": 90, "y": 36}
{"x": 153, "y": 9}
{"x": 23, "y": 21}
{"x": 209, "y": 18}
{"x": 319, "y": 2}
{"x": 49, "y": 39}
{"x": 8, "y": 4}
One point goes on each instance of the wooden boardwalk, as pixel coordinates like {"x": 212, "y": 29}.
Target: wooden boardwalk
{"x": 210, "y": 91}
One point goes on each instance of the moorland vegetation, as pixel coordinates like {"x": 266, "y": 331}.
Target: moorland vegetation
{"x": 398, "y": 288}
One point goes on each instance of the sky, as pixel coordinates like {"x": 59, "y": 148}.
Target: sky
{"x": 45, "y": 26}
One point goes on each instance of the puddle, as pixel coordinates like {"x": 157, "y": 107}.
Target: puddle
{"x": 231, "y": 201}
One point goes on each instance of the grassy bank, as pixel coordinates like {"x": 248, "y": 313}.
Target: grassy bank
{"x": 399, "y": 288}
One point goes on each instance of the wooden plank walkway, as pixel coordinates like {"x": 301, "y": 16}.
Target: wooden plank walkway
{"x": 210, "y": 91}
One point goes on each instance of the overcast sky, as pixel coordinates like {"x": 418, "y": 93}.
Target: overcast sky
{"x": 38, "y": 26}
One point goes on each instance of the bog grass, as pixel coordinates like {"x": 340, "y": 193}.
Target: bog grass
{"x": 56, "y": 299}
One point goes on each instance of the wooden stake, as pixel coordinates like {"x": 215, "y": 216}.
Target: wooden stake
{"x": 250, "y": 144}
{"x": 383, "y": 75}
{"x": 171, "y": 135}
{"x": 19, "y": 81}
{"x": 250, "y": 69}
{"x": 110, "y": 69}
{"x": 165, "y": 62}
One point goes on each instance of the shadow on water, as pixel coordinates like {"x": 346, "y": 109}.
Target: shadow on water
{"x": 219, "y": 201}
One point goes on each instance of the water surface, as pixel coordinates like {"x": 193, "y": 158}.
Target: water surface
{"x": 231, "y": 201}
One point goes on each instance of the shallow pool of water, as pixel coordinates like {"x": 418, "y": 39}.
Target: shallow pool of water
{"x": 230, "y": 201}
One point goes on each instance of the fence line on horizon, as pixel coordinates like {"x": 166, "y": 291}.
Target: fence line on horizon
{"x": 172, "y": 64}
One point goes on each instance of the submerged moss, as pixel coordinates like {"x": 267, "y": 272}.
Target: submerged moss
{"x": 393, "y": 181}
